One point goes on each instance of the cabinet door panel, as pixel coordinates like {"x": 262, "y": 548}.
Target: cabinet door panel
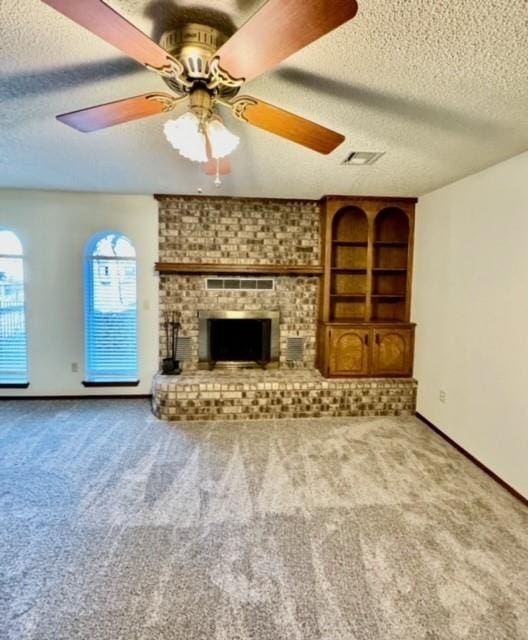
{"x": 392, "y": 352}
{"x": 349, "y": 351}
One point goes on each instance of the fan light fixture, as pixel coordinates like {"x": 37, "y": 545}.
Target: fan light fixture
{"x": 191, "y": 137}
{"x": 185, "y": 136}
{"x": 222, "y": 141}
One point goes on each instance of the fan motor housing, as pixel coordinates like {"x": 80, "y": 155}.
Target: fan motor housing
{"x": 194, "y": 45}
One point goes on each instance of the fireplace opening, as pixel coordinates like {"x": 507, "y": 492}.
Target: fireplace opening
{"x": 238, "y": 339}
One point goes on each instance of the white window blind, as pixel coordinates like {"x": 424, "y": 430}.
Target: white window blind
{"x": 13, "y": 343}
{"x": 111, "y": 309}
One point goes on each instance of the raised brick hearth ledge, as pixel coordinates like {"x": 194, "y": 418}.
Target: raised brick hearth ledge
{"x": 256, "y": 394}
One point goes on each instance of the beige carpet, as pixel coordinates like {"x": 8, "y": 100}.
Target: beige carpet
{"x": 115, "y": 525}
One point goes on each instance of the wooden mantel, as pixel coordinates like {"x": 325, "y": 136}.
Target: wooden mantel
{"x": 239, "y": 269}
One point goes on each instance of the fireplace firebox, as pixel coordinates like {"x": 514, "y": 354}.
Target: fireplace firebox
{"x": 238, "y": 339}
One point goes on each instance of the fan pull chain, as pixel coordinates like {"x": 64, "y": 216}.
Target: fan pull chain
{"x": 217, "y": 180}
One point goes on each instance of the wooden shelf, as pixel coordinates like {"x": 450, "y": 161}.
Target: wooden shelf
{"x": 388, "y": 296}
{"x": 359, "y": 270}
{"x": 351, "y": 296}
{"x": 239, "y": 269}
{"x": 389, "y": 270}
{"x": 349, "y": 243}
{"x": 390, "y": 243}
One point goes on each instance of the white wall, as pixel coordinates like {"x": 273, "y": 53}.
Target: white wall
{"x": 471, "y": 305}
{"x": 54, "y": 227}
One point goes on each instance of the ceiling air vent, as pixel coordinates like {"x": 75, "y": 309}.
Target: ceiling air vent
{"x": 360, "y": 158}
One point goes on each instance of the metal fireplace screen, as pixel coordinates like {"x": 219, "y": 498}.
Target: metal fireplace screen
{"x": 238, "y": 339}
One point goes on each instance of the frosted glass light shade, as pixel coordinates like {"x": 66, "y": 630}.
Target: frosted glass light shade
{"x": 184, "y": 135}
{"x": 222, "y": 141}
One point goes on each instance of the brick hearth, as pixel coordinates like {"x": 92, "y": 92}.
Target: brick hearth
{"x": 255, "y": 394}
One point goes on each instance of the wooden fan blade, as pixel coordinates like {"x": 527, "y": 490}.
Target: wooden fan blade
{"x": 107, "y": 115}
{"x": 285, "y": 124}
{"x": 103, "y": 21}
{"x": 279, "y": 29}
{"x": 224, "y": 169}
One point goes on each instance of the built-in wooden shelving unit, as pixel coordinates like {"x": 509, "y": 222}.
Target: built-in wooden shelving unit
{"x": 365, "y": 304}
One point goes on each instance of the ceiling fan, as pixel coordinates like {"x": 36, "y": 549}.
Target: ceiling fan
{"x": 204, "y": 67}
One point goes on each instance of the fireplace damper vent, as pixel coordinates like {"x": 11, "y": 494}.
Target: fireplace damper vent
{"x": 183, "y": 348}
{"x": 240, "y": 284}
{"x": 295, "y": 349}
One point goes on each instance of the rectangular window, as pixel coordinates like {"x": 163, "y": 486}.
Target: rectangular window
{"x": 13, "y": 344}
{"x": 111, "y": 320}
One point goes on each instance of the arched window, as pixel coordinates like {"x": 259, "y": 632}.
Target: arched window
{"x": 13, "y": 343}
{"x": 110, "y": 310}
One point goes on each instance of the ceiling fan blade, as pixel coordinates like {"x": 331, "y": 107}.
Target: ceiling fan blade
{"x": 285, "y": 124}
{"x": 279, "y": 29}
{"x": 224, "y": 167}
{"x": 103, "y": 21}
{"x": 107, "y": 115}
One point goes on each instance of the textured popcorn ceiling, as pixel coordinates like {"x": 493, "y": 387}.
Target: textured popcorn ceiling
{"x": 441, "y": 87}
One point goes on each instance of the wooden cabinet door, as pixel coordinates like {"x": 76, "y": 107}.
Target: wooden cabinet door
{"x": 349, "y": 351}
{"x": 392, "y": 352}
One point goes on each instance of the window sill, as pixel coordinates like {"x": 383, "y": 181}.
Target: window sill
{"x": 14, "y": 385}
{"x": 116, "y": 383}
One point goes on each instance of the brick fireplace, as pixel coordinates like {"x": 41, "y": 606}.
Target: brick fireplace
{"x": 228, "y": 231}
{"x": 251, "y": 258}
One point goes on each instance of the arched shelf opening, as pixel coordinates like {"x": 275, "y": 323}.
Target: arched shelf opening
{"x": 390, "y": 265}
{"x": 350, "y": 225}
{"x": 391, "y": 225}
{"x": 348, "y": 286}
